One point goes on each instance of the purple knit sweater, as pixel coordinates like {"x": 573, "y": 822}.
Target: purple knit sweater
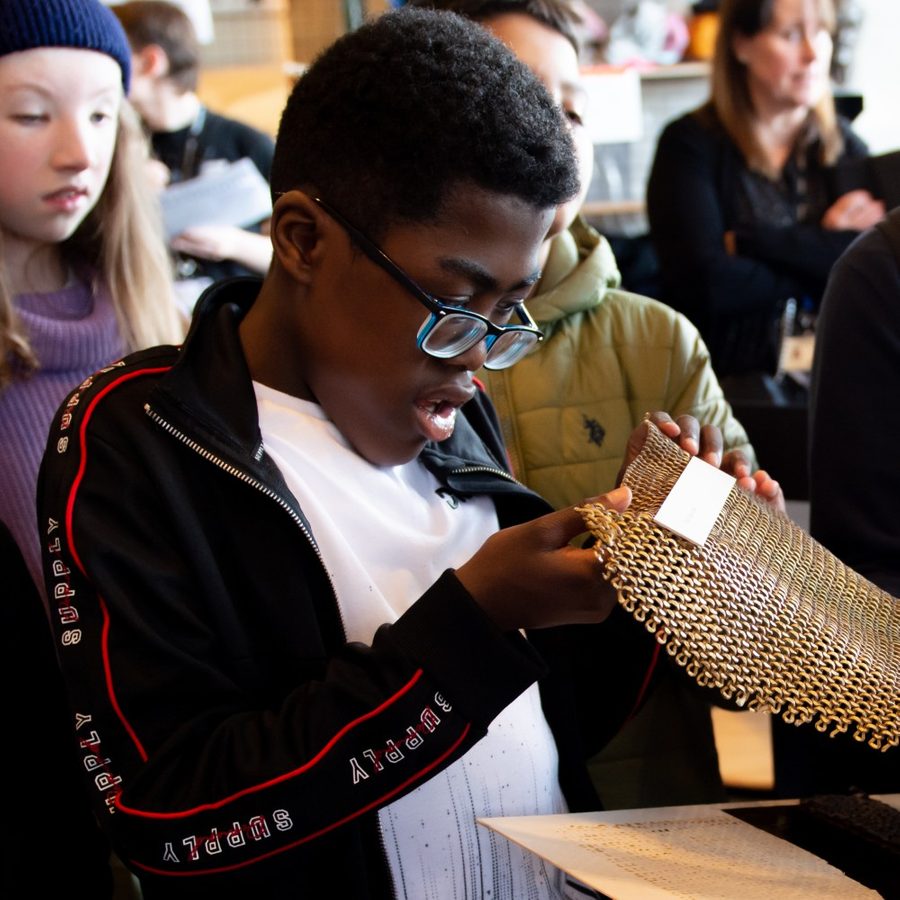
{"x": 73, "y": 334}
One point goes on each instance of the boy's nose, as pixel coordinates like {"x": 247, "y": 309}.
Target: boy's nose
{"x": 473, "y": 358}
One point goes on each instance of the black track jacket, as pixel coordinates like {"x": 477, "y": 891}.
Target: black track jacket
{"x": 234, "y": 742}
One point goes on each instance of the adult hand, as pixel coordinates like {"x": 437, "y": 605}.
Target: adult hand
{"x": 706, "y": 442}
{"x": 530, "y": 576}
{"x": 853, "y": 211}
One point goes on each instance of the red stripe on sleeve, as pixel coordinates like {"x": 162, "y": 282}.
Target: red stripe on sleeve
{"x": 374, "y": 804}
{"x": 287, "y": 775}
{"x": 73, "y": 550}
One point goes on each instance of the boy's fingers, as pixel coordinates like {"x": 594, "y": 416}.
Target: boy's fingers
{"x": 689, "y": 436}
{"x": 711, "y": 445}
{"x": 735, "y": 463}
{"x": 568, "y": 523}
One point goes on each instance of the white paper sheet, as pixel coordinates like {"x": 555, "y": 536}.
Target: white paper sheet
{"x": 679, "y": 852}
{"x": 225, "y": 194}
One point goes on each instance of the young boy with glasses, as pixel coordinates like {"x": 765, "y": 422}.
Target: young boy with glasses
{"x": 289, "y": 566}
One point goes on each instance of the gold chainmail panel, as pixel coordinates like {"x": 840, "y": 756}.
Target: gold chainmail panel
{"x": 762, "y": 611}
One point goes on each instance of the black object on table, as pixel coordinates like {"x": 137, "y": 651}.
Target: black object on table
{"x": 873, "y": 863}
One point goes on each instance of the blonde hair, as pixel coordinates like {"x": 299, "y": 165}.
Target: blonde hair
{"x": 121, "y": 240}
{"x": 730, "y": 94}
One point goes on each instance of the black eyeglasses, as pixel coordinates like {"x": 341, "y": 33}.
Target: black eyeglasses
{"x": 450, "y": 330}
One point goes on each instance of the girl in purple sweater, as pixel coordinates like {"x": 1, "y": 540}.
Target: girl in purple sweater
{"x": 84, "y": 276}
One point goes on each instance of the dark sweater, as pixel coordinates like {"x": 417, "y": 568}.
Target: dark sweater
{"x": 699, "y": 188}
{"x": 854, "y": 482}
{"x": 73, "y": 333}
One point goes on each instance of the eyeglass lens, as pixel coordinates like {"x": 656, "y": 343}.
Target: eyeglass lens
{"x": 509, "y": 348}
{"x": 454, "y": 334}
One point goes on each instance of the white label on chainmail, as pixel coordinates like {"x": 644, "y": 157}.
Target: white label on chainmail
{"x": 695, "y": 501}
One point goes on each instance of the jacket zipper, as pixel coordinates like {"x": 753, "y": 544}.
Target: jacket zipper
{"x": 241, "y": 475}
{"x": 469, "y": 470}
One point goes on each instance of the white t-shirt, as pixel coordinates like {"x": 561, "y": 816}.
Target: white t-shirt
{"x": 385, "y": 536}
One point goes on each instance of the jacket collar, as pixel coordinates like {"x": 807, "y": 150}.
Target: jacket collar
{"x": 209, "y": 388}
{"x": 580, "y": 269}
{"x": 208, "y": 395}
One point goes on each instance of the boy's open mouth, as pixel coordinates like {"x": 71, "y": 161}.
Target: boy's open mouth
{"x": 436, "y": 418}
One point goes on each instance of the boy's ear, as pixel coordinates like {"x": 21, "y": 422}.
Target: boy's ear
{"x": 296, "y": 230}
{"x": 151, "y": 61}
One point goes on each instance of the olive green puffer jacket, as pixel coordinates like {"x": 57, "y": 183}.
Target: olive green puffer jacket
{"x": 608, "y": 357}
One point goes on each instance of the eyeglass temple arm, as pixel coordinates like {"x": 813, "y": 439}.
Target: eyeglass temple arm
{"x": 380, "y": 258}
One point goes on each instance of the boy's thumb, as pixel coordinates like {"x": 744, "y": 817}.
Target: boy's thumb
{"x": 571, "y": 522}
{"x": 618, "y": 499}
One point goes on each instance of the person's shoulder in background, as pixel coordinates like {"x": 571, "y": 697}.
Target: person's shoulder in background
{"x": 232, "y": 139}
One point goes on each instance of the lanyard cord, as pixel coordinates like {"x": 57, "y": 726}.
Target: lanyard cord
{"x": 189, "y": 158}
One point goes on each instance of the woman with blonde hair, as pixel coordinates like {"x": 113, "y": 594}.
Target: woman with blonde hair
{"x": 84, "y": 274}
{"x": 741, "y": 199}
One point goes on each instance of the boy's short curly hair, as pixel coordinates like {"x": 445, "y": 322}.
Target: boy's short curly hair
{"x": 560, "y": 16}
{"x": 395, "y": 114}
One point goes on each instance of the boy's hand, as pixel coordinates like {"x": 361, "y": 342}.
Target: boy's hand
{"x": 529, "y": 576}
{"x": 706, "y": 442}
{"x": 759, "y": 482}
{"x": 703, "y": 441}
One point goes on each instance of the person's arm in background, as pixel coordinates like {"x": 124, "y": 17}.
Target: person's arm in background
{"x": 806, "y": 251}
{"x": 688, "y": 228}
{"x": 35, "y": 698}
{"x": 854, "y": 426}
{"x": 220, "y": 242}
{"x": 810, "y": 250}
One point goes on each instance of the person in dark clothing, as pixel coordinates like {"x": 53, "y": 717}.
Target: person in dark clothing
{"x": 854, "y": 485}
{"x": 294, "y": 565}
{"x": 35, "y": 698}
{"x": 741, "y": 205}
{"x": 187, "y": 138}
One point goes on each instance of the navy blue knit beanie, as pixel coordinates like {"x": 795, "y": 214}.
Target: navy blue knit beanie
{"x": 82, "y": 24}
